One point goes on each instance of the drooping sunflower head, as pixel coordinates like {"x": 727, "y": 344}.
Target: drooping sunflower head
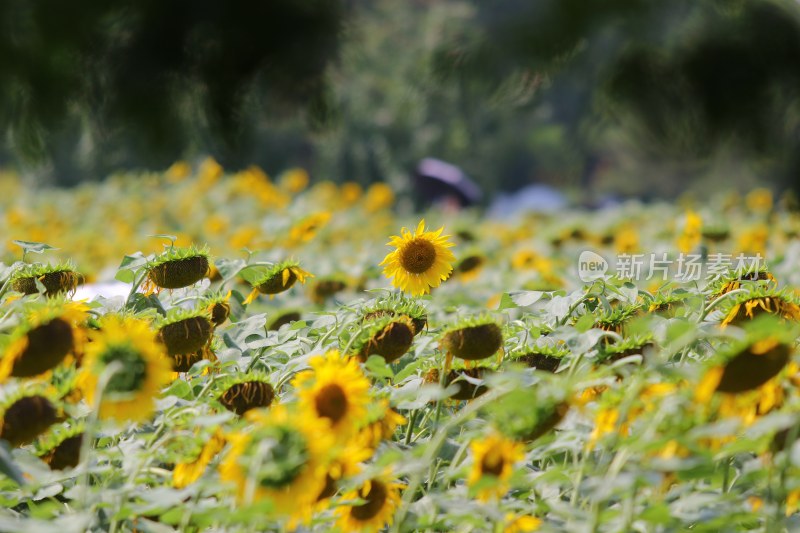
{"x": 282, "y": 457}
{"x": 177, "y": 268}
{"x": 125, "y": 353}
{"x": 421, "y": 260}
{"x": 544, "y": 356}
{"x": 286, "y": 316}
{"x": 326, "y": 288}
{"x": 379, "y": 498}
{"x": 61, "y": 448}
{"x": 616, "y": 319}
{"x": 668, "y": 304}
{"x": 56, "y": 279}
{"x": 469, "y": 383}
{"x": 246, "y": 392}
{"x": 276, "y": 279}
{"x": 27, "y": 413}
{"x": 185, "y": 331}
{"x": 632, "y": 345}
{"x": 218, "y": 306}
{"x": 389, "y": 337}
{"x": 336, "y": 391}
{"x": 398, "y": 305}
{"x": 48, "y": 333}
{"x": 473, "y": 338}
{"x": 749, "y": 363}
{"x": 743, "y": 307}
{"x": 747, "y": 276}
{"x": 494, "y": 458}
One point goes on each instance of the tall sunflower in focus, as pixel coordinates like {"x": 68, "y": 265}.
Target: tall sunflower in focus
{"x": 421, "y": 260}
{"x": 334, "y": 390}
{"x": 142, "y": 368}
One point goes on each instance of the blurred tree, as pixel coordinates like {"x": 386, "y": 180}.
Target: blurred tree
{"x": 140, "y": 80}
{"x": 685, "y": 76}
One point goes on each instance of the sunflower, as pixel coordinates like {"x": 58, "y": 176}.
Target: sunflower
{"x": 25, "y": 415}
{"x": 744, "y": 307}
{"x": 379, "y": 196}
{"x": 473, "y": 339}
{"x": 388, "y": 337}
{"x": 421, "y": 261}
{"x": 334, "y": 390}
{"x": 307, "y": 228}
{"x": 177, "y": 268}
{"x": 690, "y": 237}
{"x": 493, "y": 461}
{"x": 285, "y": 317}
{"x": 48, "y": 334}
{"x": 140, "y": 368}
{"x": 250, "y": 391}
{"x": 520, "y": 523}
{"x": 62, "y": 448}
{"x": 219, "y": 307}
{"x": 398, "y": 305}
{"x": 746, "y": 366}
{"x": 186, "y": 473}
{"x": 463, "y": 380}
{"x": 56, "y": 279}
{"x": 546, "y": 357}
{"x": 326, "y": 288}
{"x": 380, "y": 497}
{"x": 279, "y": 278}
{"x": 185, "y": 331}
{"x": 281, "y": 458}
{"x": 470, "y": 266}
{"x": 381, "y": 425}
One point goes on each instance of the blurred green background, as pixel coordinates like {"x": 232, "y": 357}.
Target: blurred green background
{"x": 636, "y": 98}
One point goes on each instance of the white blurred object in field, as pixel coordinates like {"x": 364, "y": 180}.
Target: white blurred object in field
{"x": 540, "y": 198}
{"x": 107, "y": 290}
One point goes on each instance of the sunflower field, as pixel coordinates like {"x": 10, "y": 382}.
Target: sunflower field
{"x": 196, "y": 350}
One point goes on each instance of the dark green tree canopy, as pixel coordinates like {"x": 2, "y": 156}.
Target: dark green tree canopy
{"x": 155, "y": 74}
{"x": 685, "y": 75}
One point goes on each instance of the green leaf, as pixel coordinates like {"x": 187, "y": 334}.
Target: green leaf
{"x": 378, "y": 367}
{"x": 34, "y": 247}
{"x": 7, "y": 465}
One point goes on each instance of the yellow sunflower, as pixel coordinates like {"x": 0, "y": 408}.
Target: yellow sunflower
{"x": 334, "y": 390}
{"x": 380, "y": 498}
{"x": 520, "y": 523}
{"x": 281, "y": 277}
{"x": 46, "y": 337}
{"x": 282, "y": 458}
{"x": 142, "y": 368}
{"x": 380, "y": 428}
{"x": 493, "y": 464}
{"x": 421, "y": 261}
{"x": 188, "y": 472}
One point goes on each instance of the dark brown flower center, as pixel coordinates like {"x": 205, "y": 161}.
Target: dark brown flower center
{"x": 331, "y": 402}
{"x": 492, "y": 464}
{"x": 417, "y": 256}
{"x": 375, "y": 499}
